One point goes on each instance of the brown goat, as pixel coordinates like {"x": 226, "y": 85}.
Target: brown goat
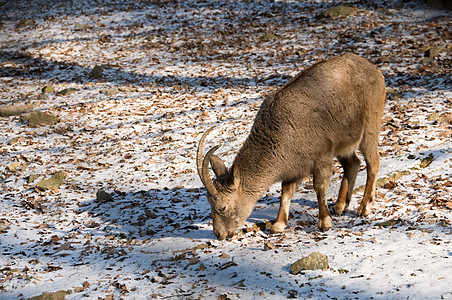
{"x": 330, "y": 109}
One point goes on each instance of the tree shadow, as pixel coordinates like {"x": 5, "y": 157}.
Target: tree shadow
{"x": 156, "y": 213}
{"x": 183, "y": 214}
{"x": 26, "y": 66}
{"x": 176, "y": 212}
{"x": 62, "y": 72}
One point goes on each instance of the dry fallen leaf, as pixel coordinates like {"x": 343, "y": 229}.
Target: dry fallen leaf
{"x": 65, "y": 246}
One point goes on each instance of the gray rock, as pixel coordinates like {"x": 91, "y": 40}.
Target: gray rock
{"x": 32, "y": 178}
{"x": 337, "y": 11}
{"x": 315, "y": 261}
{"x": 17, "y": 139}
{"x": 267, "y": 37}
{"x": 25, "y": 23}
{"x": 58, "y": 295}
{"x": 39, "y": 118}
{"x": 80, "y": 27}
{"x": 433, "y": 116}
{"x": 13, "y": 166}
{"x": 52, "y": 183}
{"x": 110, "y": 91}
{"x": 66, "y": 92}
{"x": 103, "y": 196}
{"x": 48, "y": 88}
{"x": 96, "y": 72}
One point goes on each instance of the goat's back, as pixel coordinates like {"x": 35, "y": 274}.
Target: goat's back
{"x": 324, "y": 110}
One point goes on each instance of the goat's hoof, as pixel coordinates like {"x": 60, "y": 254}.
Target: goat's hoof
{"x": 278, "y": 227}
{"x": 364, "y": 210}
{"x": 338, "y": 209}
{"x": 325, "y": 223}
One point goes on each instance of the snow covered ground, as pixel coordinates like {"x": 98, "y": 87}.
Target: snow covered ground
{"x": 170, "y": 70}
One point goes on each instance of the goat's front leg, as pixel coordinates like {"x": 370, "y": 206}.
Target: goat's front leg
{"x": 321, "y": 178}
{"x": 288, "y": 190}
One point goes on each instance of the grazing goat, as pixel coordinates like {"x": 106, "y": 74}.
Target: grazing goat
{"x": 330, "y": 109}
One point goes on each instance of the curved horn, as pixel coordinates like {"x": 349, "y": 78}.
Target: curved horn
{"x": 208, "y": 183}
{"x": 203, "y": 165}
{"x": 199, "y": 156}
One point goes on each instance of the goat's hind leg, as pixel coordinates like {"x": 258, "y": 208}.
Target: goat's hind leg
{"x": 369, "y": 149}
{"x": 351, "y": 167}
{"x": 288, "y": 190}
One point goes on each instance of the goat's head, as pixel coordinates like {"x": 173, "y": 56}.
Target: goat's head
{"x": 224, "y": 193}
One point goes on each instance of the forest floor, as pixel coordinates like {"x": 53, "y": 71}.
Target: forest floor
{"x": 105, "y": 201}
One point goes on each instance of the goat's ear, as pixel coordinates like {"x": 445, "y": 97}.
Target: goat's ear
{"x": 218, "y": 166}
{"x": 234, "y": 178}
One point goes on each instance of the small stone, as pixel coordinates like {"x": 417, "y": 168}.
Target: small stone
{"x": 103, "y": 196}
{"x": 111, "y": 91}
{"x": 48, "y": 88}
{"x": 315, "y": 261}
{"x": 32, "y": 178}
{"x": 13, "y": 166}
{"x": 336, "y": 11}
{"x": 428, "y": 61}
{"x": 17, "y": 139}
{"x": 267, "y": 37}
{"x": 264, "y": 225}
{"x": 80, "y": 27}
{"x": 426, "y": 161}
{"x": 128, "y": 89}
{"x": 52, "y": 183}
{"x": 391, "y": 91}
{"x": 25, "y": 23}
{"x": 65, "y": 92}
{"x": 96, "y": 72}
{"x": 58, "y": 295}
{"x": 39, "y": 118}
{"x": 433, "y": 116}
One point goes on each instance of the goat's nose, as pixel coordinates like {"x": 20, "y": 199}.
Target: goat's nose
{"x": 219, "y": 236}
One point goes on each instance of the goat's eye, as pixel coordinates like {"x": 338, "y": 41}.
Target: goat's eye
{"x": 221, "y": 210}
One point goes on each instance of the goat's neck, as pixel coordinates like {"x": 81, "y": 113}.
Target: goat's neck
{"x": 256, "y": 171}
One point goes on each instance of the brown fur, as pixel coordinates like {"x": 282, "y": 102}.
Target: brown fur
{"x": 331, "y": 109}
